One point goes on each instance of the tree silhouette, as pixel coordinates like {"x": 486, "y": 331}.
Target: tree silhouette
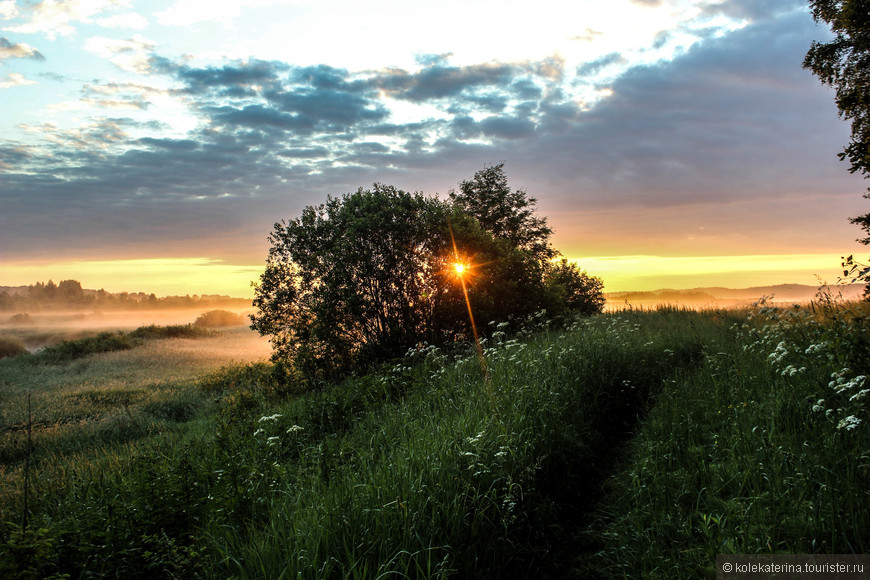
{"x": 844, "y": 64}
{"x": 361, "y": 278}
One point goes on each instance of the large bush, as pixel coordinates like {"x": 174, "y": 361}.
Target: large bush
{"x": 215, "y": 318}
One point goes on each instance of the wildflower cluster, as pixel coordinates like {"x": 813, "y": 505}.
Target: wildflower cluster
{"x": 823, "y": 341}
{"x": 268, "y": 427}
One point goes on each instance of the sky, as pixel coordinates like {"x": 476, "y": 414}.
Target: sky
{"x": 151, "y": 146}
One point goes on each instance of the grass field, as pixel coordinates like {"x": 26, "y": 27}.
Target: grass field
{"x": 631, "y": 444}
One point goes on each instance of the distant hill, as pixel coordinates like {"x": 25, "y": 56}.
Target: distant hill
{"x": 719, "y": 296}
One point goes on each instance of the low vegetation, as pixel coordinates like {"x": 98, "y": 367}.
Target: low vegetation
{"x": 11, "y": 347}
{"x": 217, "y": 318}
{"x": 637, "y": 443}
{"x": 110, "y": 341}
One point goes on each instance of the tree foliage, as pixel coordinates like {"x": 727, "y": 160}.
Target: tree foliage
{"x": 574, "y": 290}
{"x": 361, "y": 278}
{"x": 844, "y": 64}
{"x": 504, "y": 212}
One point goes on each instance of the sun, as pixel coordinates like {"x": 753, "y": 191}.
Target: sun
{"x": 459, "y": 268}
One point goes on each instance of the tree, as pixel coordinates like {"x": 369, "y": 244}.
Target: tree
{"x": 574, "y": 289}
{"x": 844, "y": 64}
{"x": 361, "y": 278}
{"x": 504, "y": 212}
{"x": 70, "y": 292}
{"x": 353, "y": 280}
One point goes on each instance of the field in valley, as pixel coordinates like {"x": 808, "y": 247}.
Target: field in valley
{"x": 638, "y": 443}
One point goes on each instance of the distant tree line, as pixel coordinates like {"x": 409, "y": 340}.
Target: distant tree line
{"x": 69, "y": 295}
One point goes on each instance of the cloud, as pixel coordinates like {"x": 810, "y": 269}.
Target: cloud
{"x": 189, "y": 12}
{"x": 588, "y": 35}
{"x": 237, "y": 80}
{"x": 594, "y": 67}
{"x": 131, "y": 55}
{"x": 113, "y": 89}
{"x": 118, "y": 104}
{"x": 731, "y": 119}
{"x": 56, "y": 17}
{"x": 17, "y": 50}
{"x": 305, "y": 153}
{"x": 129, "y": 20}
{"x": 15, "y": 80}
{"x": 442, "y": 82}
{"x": 8, "y": 9}
{"x": 88, "y": 139}
{"x": 13, "y": 155}
{"x": 285, "y": 98}
{"x": 752, "y": 9}
{"x": 129, "y": 96}
{"x": 734, "y": 117}
{"x": 507, "y": 128}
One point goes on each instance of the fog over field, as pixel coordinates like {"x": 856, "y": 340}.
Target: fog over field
{"x": 36, "y": 330}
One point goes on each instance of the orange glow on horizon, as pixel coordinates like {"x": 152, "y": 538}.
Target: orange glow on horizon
{"x": 161, "y": 276}
{"x": 200, "y": 275}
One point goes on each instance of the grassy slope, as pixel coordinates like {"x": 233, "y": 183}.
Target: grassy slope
{"x": 429, "y": 469}
{"x": 747, "y": 454}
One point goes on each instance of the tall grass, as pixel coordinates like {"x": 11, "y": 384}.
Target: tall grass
{"x": 744, "y": 455}
{"x": 634, "y": 444}
{"x": 90, "y": 410}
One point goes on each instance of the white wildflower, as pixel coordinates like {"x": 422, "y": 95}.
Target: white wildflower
{"x": 815, "y": 348}
{"x": 274, "y": 417}
{"x": 859, "y": 395}
{"x": 475, "y": 439}
{"x": 849, "y": 423}
{"x": 853, "y": 383}
{"x": 792, "y": 370}
{"x": 779, "y": 353}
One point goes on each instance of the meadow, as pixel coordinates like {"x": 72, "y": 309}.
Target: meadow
{"x": 636, "y": 443}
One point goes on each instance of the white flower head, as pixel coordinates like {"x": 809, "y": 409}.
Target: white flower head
{"x": 849, "y": 423}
